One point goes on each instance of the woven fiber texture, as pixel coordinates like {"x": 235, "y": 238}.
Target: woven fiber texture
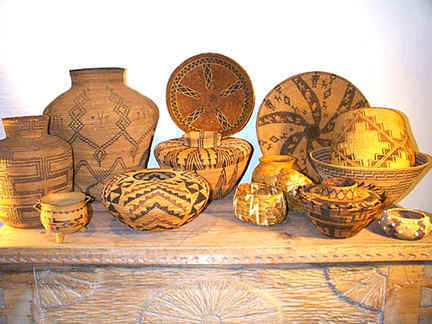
{"x": 202, "y": 139}
{"x": 156, "y": 199}
{"x": 32, "y": 164}
{"x": 394, "y": 182}
{"x": 109, "y": 125}
{"x": 221, "y": 166}
{"x": 210, "y": 92}
{"x": 405, "y": 224}
{"x": 269, "y": 167}
{"x": 372, "y": 138}
{"x": 259, "y": 204}
{"x": 341, "y": 211}
{"x": 289, "y": 180}
{"x": 297, "y": 116}
{"x": 64, "y": 213}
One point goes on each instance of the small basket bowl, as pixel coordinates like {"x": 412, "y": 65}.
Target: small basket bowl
{"x": 259, "y": 204}
{"x": 405, "y": 224}
{"x": 64, "y": 213}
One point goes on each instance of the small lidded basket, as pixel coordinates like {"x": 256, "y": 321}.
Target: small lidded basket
{"x": 64, "y": 213}
{"x": 259, "y": 204}
{"x": 339, "y": 207}
{"x": 405, "y": 224}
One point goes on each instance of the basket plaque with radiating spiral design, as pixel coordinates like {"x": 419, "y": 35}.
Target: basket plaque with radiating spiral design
{"x": 298, "y": 115}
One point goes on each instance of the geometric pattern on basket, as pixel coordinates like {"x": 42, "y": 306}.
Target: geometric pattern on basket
{"x": 65, "y": 222}
{"x": 210, "y": 92}
{"x": 298, "y": 115}
{"x": 394, "y": 182}
{"x": 339, "y": 223}
{"x": 341, "y": 218}
{"x": 24, "y": 180}
{"x": 127, "y": 125}
{"x": 202, "y": 139}
{"x": 221, "y": 166}
{"x": 177, "y": 155}
{"x": 350, "y": 149}
{"x": 155, "y": 200}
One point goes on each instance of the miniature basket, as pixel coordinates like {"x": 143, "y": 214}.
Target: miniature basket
{"x": 269, "y": 167}
{"x": 64, "y": 212}
{"x": 289, "y": 181}
{"x": 371, "y": 138}
{"x": 394, "y": 182}
{"x": 259, "y": 204}
{"x": 405, "y": 224}
{"x": 339, "y": 207}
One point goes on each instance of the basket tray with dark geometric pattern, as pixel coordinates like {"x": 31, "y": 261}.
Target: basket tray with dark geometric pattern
{"x": 298, "y": 115}
{"x": 210, "y": 92}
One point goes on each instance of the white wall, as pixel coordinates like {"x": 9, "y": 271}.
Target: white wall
{"x": 383, "y": 47}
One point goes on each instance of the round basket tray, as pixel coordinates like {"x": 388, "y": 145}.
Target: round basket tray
{"x": 298, "y": 115}
{"x": 210, "y": 92}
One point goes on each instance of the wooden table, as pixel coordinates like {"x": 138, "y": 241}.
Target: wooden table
{"x": 215, "y": 269}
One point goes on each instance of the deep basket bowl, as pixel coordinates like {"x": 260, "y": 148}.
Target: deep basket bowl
{"x": 396, "y": 183}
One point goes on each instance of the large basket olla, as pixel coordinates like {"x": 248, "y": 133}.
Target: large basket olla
{"x": 339, "y": 207}
{"x": 222, "y": 166}
{"x": 155, "y": 199}
{"x": 109, "y": 125}
{"x": 395, "y": 182}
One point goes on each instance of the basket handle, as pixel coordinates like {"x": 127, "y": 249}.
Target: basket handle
{"x": 37, "y": 206}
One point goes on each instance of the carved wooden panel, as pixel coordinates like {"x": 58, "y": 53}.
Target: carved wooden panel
{"x": 426, "y": 296}
{"x": 279, "y": 294}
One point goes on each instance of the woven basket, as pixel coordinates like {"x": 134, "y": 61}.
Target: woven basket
{"x": 394, "y": 182}
{"x": 289, "y": 181}
{"x": 405, "y": 224}
{"x": 155, "y": 199}
{"x": 64, "y": 213}
{"x": 203, "y": 139}
{"x": 339, "y": 207}
{"x": 371, "y": 138}
{"x": 259, "y": 204}
{"x": 269, "y": 167}
{"x": 222, "y": 166}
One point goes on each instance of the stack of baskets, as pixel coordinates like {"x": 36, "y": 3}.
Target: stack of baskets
{"x": 372, "y": 146}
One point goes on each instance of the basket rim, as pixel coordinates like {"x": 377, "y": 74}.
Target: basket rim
{"x": 342, "y": 167}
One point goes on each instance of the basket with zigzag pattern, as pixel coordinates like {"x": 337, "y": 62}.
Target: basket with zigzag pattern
{"x": 156, "y": 199}
{"x": 372, "y": 138}
{"x": 221, "y": 165}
